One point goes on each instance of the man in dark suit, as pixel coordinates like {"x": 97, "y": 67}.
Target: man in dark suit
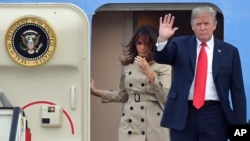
{"x": 210, "y": 121}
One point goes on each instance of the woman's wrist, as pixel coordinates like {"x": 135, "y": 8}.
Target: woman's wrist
{"x": 151, "y": 76}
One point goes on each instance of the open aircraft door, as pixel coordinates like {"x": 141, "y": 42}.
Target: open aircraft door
{"x": 44, "y": 68}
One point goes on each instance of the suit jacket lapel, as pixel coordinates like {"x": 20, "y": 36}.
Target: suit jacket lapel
{"x": 192, "y": 52}
{"x": 216, "y": 58}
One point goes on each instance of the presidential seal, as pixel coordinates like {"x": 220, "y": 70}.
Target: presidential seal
{"x": 30, "y": 41}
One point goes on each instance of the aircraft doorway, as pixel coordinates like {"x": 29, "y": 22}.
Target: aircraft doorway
{"x": 113, "y": 25}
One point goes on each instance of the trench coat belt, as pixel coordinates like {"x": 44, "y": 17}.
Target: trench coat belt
{"x": 141, "y": 97}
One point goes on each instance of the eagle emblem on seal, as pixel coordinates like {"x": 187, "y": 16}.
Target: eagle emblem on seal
{"x": 31, "y": 41}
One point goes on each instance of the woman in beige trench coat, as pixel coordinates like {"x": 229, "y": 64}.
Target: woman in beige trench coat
{"x": 144, "y": 87}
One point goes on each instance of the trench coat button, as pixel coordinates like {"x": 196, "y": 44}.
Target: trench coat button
{"x": 142, "y": 120}
{"x": 129, "y": 132}
{"x": 143, "y": 132}
{"x": 130, "y": 120}
{"x": 129, "y": 72}
{"x": 142, "y": 84}
{"x": 142, "y": 107}
{"x": 130, "y": 84}
{"x": 158, "y": 114}
{"x": 131, "y": 108}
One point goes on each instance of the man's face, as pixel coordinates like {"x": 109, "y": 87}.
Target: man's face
{"x": 203, "y": 27}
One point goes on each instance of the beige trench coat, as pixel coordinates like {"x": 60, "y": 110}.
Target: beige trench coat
{"x": 144, "y": 103}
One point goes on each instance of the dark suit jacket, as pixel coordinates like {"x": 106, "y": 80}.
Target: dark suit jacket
{"x": 180, "y": 52}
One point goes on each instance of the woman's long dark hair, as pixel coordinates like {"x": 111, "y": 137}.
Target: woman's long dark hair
{"x": 149, "y": 34}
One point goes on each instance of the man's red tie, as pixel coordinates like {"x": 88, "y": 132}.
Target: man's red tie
{"x": 200, "y": 79}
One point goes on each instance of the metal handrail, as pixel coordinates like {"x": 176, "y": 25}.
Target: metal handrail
{"x": 5, "y": 102}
